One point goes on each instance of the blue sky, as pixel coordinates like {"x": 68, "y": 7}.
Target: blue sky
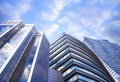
{"x": 97, "y": 19}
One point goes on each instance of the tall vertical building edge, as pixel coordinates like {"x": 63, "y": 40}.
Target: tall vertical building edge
{"x": 24, "y": 53}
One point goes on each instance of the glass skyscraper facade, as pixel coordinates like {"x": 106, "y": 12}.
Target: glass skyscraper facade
{"x": 76, "y": 61}
{"x": 24, "y": 53}
{"x": 108, "y": 53}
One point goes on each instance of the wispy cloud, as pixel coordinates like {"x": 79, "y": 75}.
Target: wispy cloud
{"x": 54, "y": 9}
{"x": 15, "y": 11}
{"x": 112, "y": 31}
{"x": 92, "y": 19}
{"x": 51, "y": 29}
{"x": 76, "y": 30}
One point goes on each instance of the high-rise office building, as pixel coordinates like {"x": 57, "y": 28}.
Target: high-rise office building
{"x": 108, "y": 53}
{"x": 76, "y": 61}
{"x": 24, "y": 53}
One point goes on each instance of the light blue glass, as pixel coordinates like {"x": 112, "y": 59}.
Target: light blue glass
{"x": 29, "y": 61}
{"x": 4, "y": 28}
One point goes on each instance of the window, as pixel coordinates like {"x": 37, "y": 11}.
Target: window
{"x": 29, "y": 61}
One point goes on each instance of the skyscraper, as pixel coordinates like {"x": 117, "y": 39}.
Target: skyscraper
{"x": 109, "y": 53}
{"x": 76, "y": 61}
{"x": 24, "y": 53}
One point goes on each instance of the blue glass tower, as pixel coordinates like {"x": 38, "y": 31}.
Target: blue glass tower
{"x": 108, "y": 53}
{"x": 24, "y": 53}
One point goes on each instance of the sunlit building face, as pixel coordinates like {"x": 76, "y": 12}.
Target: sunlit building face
{"x": 22, "y": 50}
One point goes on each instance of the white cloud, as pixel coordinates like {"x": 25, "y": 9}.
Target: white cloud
{"x": 15, "y": 11}
{"x": 77, "y": 31}
{"x": 54, "y": 9}
{"x": 91, "y": 26}
{"x": 112, "y": 31}
{"x": 105, "y": 15}
{"x": 64, "y": 20}
{"x": 22, "y": 8}
{"x": 73, "y": 27}
{"x": 88, "y": 19}
{"x": 51, "y": 29}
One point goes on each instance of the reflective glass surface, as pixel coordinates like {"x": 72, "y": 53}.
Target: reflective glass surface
{"x": 83, "y": 70}
{"x": 29, "y": 62}
{"x": 8, "y": 50}
{"x": 65, "y": 64}
{"x": 79, "y": 78}
{"x": 4, "y": 28}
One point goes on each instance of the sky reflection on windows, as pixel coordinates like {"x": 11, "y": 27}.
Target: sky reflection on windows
{"x": 8, "y": 50}
{"x": 4, "y": 28}
{"x": 28, "y": 64}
